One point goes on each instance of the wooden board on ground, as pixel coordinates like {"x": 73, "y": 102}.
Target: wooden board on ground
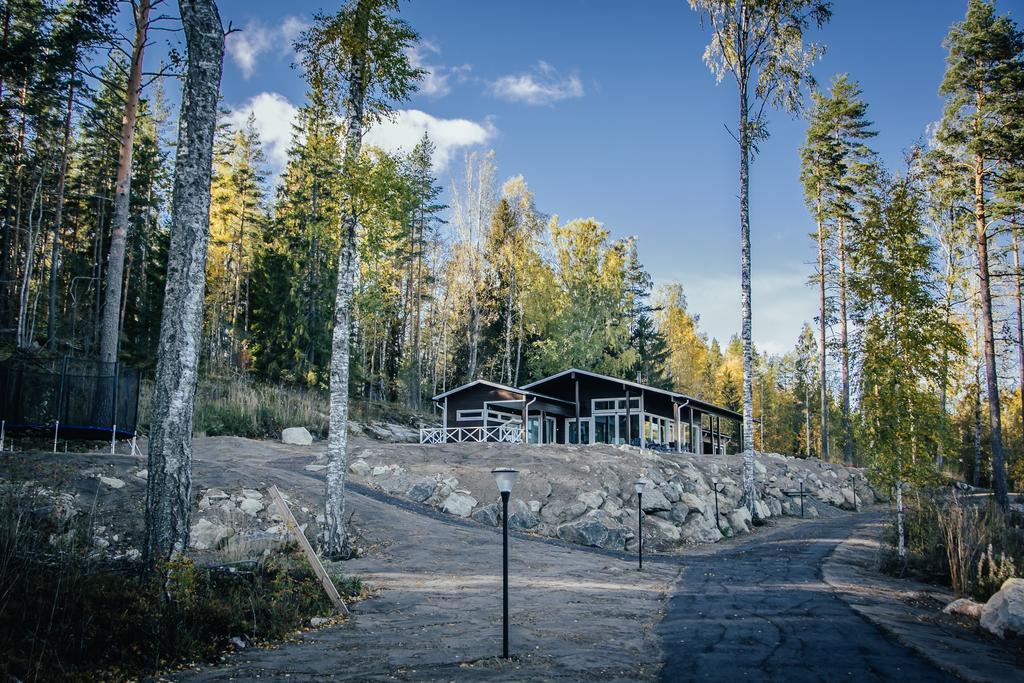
{"x": 318, "y": 567}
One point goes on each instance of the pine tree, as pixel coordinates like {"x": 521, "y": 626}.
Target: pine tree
{"x": 983, "y": 81}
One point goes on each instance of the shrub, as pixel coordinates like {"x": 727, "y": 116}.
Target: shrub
{"x": 67, "y": 613}
{"x": 967, "y": 544}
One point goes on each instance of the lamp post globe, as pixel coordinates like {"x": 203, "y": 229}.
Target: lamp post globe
{"x": 505, "y": 478}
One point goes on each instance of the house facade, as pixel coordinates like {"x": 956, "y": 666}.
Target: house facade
{"x": 578, "y": 406}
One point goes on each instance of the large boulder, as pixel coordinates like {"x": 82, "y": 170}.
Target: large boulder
{"x": 520, "y": 516}
{"x": 205, "y": 535}
{"x": 739, "y": 520}
{"x": 297, "y": 436}
{"x": 420, "y": 491}
{"x": 592, "y": 499}
{"x": 661, "y": 532}
{"x": 699, "y": 529}
{"x": 597, "y": 529}
{"x": 360, "y": 467}
{"x": 1004, "y": 611}
{"x": 655, "y": 501}
{"x": 459, "y": 503}
{"x": 489, "y": 515}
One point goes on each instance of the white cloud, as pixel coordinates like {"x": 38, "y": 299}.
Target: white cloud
{"x": 436, "y": 81}
{"x": 448, "y": 135}
{"x": 542, "y": 85}
{"x": 274, "y": 116}
{"x": 247, "y": 45}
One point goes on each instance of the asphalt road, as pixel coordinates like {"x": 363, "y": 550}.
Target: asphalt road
{"x": 761, "y": 611}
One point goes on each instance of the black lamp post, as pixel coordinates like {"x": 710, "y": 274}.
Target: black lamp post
{"x": 714, "y": 487}
{"x": 639, "y": 488}
{"x": 505, "y": 478}
{"x": 801, "y": 497}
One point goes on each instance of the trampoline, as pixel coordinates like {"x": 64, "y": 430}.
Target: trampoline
{"x": 70, "y": 398}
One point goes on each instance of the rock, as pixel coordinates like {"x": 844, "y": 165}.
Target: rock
{"x": 671, "y": 491}
{"x": 759, "y": 468}
{"x": 359, "y": 467}
{"x": 142, "y": 474}
{"x": 761, "y": 511}
{"x": 205, "y": 534}
{"x": 964, "y": 607}
{"x": 692, "y": 502}
{"x": 237, "y": 642}
{"x": 100, "y": 542}
{"x": 297, "y": 436}
{"x": 216, "y": 494}
{"x": 252, "y": 493}
{"x": 380, "y": 471}
{"x": 596, "y": 529}
{"x": 661, "y": 532}
{"x": 489, "y": 515}
{"x": 112, "y": 482}
{"x": 699, "y": 529}
{"x": 420, "y": 491}
{"x": 810, "y": 511}
{"x": 740, "y": 520}
{"x": 520, "y": 516}
{"x": 535, "y": 506}
{"x": 655, "y": 501}
{"x": 592, "y": 499}
{"x": 250, "y": 506}
{"x": 254, "y": 543}
{"x": 1004, "y": 611}
{"x": 459, "y": 503}
{"x": 316, "y": 622}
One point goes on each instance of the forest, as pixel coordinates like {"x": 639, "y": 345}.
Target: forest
{"x": 915, "y": 356}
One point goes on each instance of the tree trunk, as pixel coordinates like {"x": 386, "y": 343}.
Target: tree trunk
{"x": 823, "y": 352}
{"x": 749, "y": 492}
{"x": 901, "y": 547}
{"x": 844, "y": 345}
{"x": 58, "y": 216}
{"x": 122, "y": 192}
{"x": 1020, "y": 316}
{"x": 992, "y": 380}
{"x": 169, "y": 486}
{"x": 336, "y": 541}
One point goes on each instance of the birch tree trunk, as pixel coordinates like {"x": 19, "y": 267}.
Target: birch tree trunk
{"x": 900, "y": 531}
{"x": 749, "y": 493}
{"x": 992, "y": 380}
{"x": 122, "y": 192}
{"x": 336, "y": 541}
{"x": 169, "y": 485}
{"x": 1020, "y": 315}
{"x": 822, "y": 356}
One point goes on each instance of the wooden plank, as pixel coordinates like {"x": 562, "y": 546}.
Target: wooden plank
{"x": 318, "y": 567}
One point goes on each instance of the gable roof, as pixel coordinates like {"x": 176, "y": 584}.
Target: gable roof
{"x": 505, "y": 387}
{"x": 637, "y": 385}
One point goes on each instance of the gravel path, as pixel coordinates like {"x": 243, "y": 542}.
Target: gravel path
{"x": 761, "y": 611}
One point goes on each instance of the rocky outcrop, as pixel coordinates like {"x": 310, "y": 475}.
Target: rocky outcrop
{"x": 1003, "y": 614}
{"x": 597, "y": 529}
{"x": 965, "y": 608}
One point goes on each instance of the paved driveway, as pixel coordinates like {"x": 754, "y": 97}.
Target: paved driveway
{"x": 760, "y": 611}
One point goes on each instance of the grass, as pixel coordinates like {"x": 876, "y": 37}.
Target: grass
{"x": 238, "y": 406}
{"x": 68, "y": 614}
{"x": 969, "y": 545}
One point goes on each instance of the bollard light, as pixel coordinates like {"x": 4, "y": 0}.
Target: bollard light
{"x": 714, "y": 486}
{"x": 505, "y": 478}
{"x": 639, "y": 487}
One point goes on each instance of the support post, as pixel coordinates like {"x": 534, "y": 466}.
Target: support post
{"x": 640, "y": 530}
{"x": 314, "y": 561}
{"x": 56, "y": 428}
{"x": 579, "y": 436}
{"x": 629, "y": 423}
{"x": 679, "y": 429}
{"x": 801, "y": 498}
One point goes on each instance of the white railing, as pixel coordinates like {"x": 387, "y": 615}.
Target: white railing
{"x": 498, "y": 434}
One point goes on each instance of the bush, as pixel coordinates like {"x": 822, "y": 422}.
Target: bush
{"x": 68, "y": 614}
{"x": 968, "y": 545}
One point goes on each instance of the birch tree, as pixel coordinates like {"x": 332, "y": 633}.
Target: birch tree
{"x": 169, "y": 485}
{"x": 760, "y": 44}
{"x": 359, "y": 57}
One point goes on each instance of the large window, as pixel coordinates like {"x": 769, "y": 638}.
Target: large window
{"x": 584, "y": 430}
{"x": 604, "y": 429}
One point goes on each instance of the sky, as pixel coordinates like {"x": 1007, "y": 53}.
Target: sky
{"x": 608, "y": 111}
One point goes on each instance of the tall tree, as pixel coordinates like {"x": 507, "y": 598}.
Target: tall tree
{"x": 169, "y": 485}
{"x": 110, "y": 327}
{"x": 983, "y": 81}
{"x": 760, "y": 43}
{"x": 359, "y": 56}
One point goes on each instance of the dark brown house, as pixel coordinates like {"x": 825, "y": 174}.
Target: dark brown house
{"x": 577, "y": 406}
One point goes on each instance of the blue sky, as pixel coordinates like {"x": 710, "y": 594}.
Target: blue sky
{"x": 607, "y": 109}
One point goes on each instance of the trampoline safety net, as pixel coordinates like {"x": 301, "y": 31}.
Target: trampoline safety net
{"x": 81, "y": 399}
